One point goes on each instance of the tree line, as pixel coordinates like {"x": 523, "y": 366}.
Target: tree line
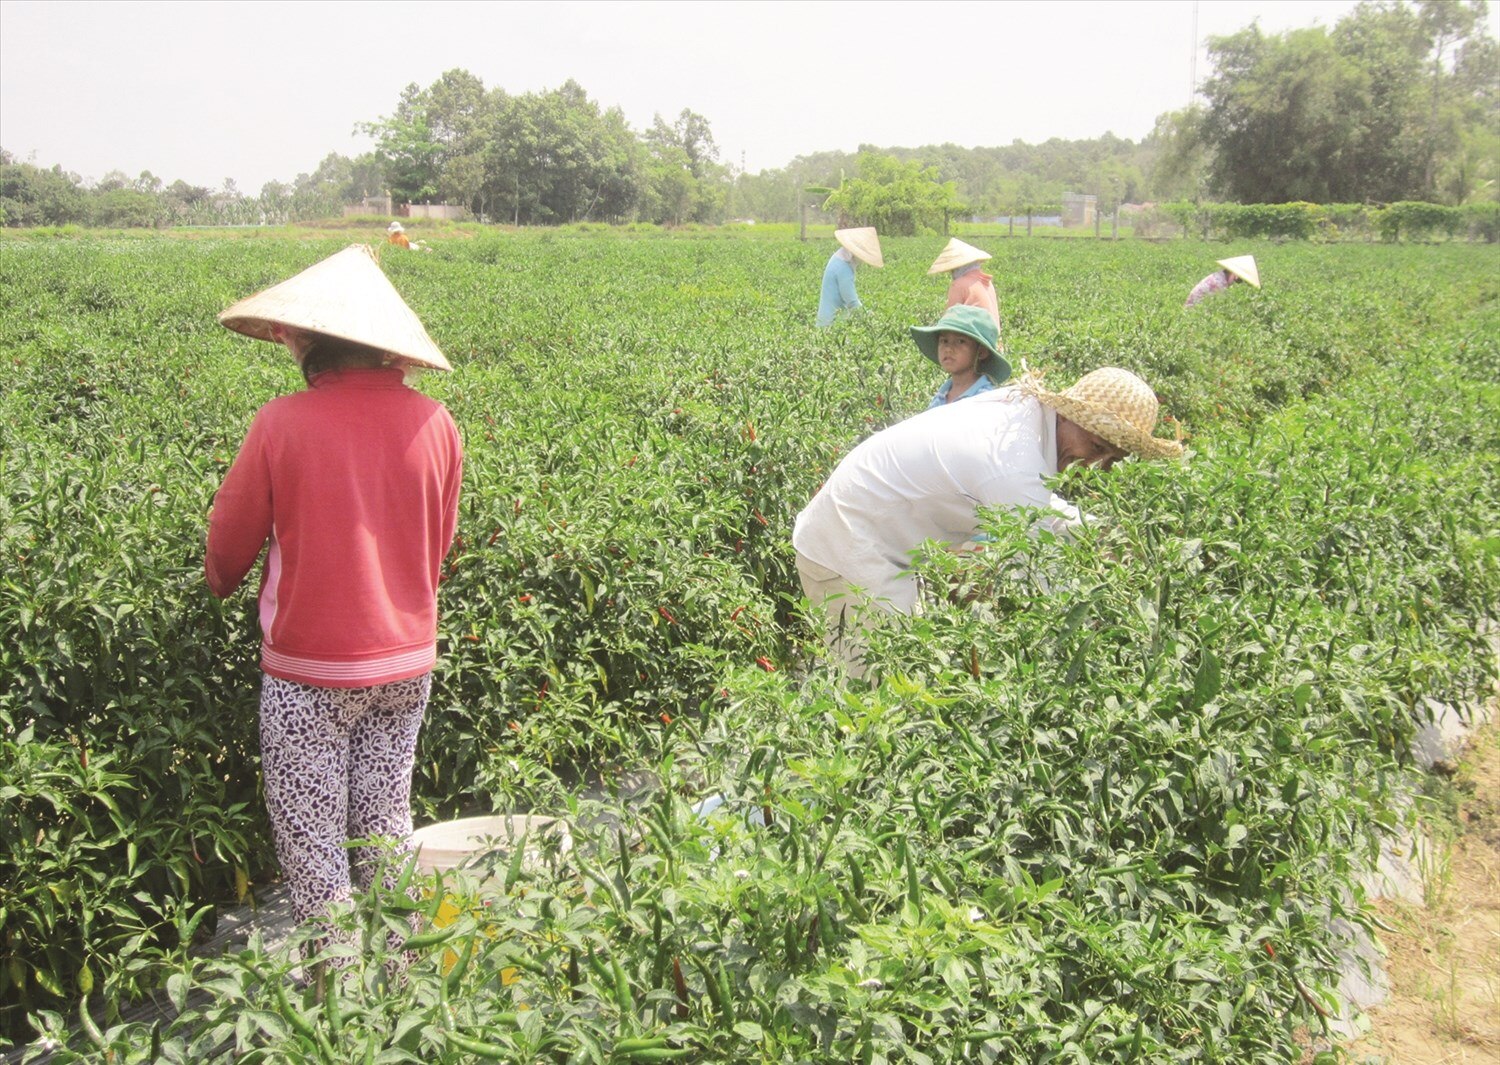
{"x": 1396, "y": 102}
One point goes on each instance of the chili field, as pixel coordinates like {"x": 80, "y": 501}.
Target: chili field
{"x": 1110, "y": 802}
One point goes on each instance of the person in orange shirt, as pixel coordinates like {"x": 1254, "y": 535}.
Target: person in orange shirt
{"x": 971, "y": 286}
{"x": 395, "y": 234}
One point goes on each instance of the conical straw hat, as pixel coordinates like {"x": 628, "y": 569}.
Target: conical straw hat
{"x": 1243, "y": 267}
{"x": 347, "y": 296}
{"x": 1114, "y": 405}
{"x": 862, "y": 243}
{"x": 955, "y": 254}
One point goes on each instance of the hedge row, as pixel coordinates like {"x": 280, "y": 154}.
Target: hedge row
{"x": 1406, "y": 220}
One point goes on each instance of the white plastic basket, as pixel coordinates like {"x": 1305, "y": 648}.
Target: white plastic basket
{"x": 448, "y": 844}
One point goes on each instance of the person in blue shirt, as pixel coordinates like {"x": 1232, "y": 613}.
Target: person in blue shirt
{"x": 838, "y": 295}
{"x": 965, "y": 343}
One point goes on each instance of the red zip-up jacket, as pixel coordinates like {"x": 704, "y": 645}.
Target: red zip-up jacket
{"x": 354, "y": 482}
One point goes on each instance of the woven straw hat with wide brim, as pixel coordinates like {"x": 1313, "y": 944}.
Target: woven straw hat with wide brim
{"x": 974, "y": 322}
{"x": 347, "y": 296}
{"x": 862, "y": 243}
{"x": 955, "y": 254}
{"x": 1243, "y": 267}
{"x": 1113, "y": 404}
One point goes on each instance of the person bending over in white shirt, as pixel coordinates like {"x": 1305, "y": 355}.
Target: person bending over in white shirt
{"x": 925, "y": 479}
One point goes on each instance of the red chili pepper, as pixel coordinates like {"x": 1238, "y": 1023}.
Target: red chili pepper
{"x": 761, "y": 517}
{"x": 1269, "y": 949}
{"x": 765, "y": 663}
{"x": 750, "y": 431}
{"x": 515, "y": 727}
{"x": 494, "y": 536}
{"x": 524, "y": 598}
{"x": 471, "y": 637}
{"x": 664, "y": 612}
{"x": 666, "y": 719}
{"x": 737, "y": 612}
{"x": 632, "y": 461}
{"x": 739, "y": 546}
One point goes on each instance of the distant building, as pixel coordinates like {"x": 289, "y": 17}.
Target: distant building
{"x": 1078, "y": 209}
{"x": 377, "y": 205}
{"x": 451, "y": 211}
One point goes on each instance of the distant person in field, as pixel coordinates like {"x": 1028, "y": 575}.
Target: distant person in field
{"x": 351, "y": 487}
{"x": 963, "y": 343}
{"x": 971, "y": 286}
{"x": 395, "y": 234}
{"x": 838, "y": 294}
{"x": 924, "y": 479}
{"x": 1235, "y": 270}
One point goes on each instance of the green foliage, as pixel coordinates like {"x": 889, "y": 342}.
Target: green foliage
{"x": 898, "y": 198}
{"x": 1483, "y": 220}
{"x": 1373, "y": 110}
{"x": 1262, "y": 221}
{"x": 33, "y": 196}
{"x": 1073, "y": 815}
{"x": 1411, "y": 220}
{"x": 1417, "y": 220}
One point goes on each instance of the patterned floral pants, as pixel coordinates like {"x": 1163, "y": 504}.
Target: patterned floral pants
{"x": 337, "y": 765}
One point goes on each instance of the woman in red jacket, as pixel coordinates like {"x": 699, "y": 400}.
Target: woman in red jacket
{"x": 352, "y": 487}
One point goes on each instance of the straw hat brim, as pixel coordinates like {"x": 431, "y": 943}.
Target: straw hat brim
{"x": 347, "y": 296}
{"x": 863, "y": 243}
{"x": 1109, "y": 426}
{"x": 955, "y": 254}
{"x": 1244, "y": 268}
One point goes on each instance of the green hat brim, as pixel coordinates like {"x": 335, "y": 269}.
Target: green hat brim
{"x": 993, "y": 365}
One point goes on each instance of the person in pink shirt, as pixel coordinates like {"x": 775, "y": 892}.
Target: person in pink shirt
{"x": 1240, "y": 268}
{"x": 971, "y": 286}
{"x": 351, "y": 488}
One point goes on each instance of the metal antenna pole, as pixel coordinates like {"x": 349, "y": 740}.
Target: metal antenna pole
{"x": 1193, "y": 64}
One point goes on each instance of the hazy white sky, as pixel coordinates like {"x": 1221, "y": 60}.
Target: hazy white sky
{"x": 259, "y": 91}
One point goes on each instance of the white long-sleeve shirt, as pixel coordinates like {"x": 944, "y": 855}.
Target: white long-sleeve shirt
{"x": 924, "y": 479}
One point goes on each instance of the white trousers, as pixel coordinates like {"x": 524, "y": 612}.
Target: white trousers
{"x": 853, "y": 613}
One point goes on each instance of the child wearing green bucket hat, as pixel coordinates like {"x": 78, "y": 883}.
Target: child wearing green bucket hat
{"x": 965, "y": 343}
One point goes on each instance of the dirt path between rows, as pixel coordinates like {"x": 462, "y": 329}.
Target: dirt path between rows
{"x": 1444, "y": 957}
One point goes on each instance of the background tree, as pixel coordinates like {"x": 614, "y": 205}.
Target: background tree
{"x": 407, "y": 149}
{"x": 900, "y": 198}
{"x": 1180, "y": 155}
{"x": 32, "y": 196}
{"x": 556, "y": 157}
{"x": 1395, "y": 103}
{"x": 1282, "y": 117}
{"x": 1448, "y": 24}
{"x": 685, "y": 181}
{"x": 456, "y": 109}
{"x": 1384, "y": 45}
